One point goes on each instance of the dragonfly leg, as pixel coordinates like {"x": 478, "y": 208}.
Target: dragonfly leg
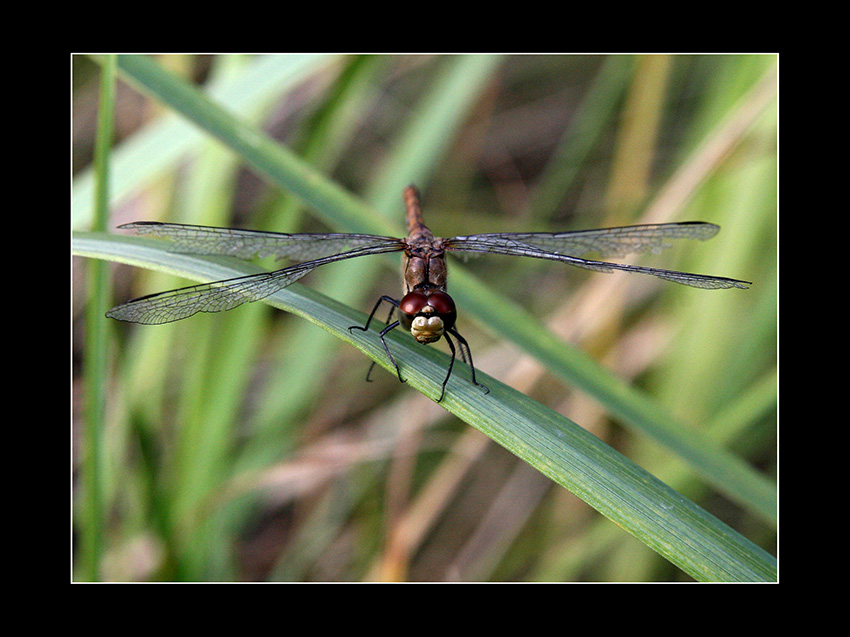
{"x": 465, "y": 346}
{"x": 451, "y": 364}
{"x": 387, "y": 349}
{"x": 389, "y": 300}
{"x": 393, "y": 305}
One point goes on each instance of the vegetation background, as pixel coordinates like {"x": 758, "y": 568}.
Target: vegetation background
{"x": 246, "y": 446}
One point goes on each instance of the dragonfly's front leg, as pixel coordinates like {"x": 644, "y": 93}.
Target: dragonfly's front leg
{"x": 389, "y": 300}
{"x": 394, "y": 304}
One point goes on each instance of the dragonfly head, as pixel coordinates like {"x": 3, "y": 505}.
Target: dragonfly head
{"x": 427, "y": 314}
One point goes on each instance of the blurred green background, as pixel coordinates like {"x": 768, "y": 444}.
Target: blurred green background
{"x": 247, "y": 446}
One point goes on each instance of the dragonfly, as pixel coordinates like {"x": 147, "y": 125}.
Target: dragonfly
{"x": 425, "y": 310}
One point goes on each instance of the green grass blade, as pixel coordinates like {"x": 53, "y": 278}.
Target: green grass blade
{"x": 586, "y": 127}
{"x": 259, "y": 150}
{"x": 715, "y": 464}
{"x": 673, "y": 526}
{"x": 95, "y": 361}
{"x": 150, "y": 153}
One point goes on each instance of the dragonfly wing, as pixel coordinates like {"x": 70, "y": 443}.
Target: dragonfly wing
{"x": 510, "y": 244}
{"x": 607, "y": 242}
{"x": 219, "y": 296}
{"x": 247, "y": 244}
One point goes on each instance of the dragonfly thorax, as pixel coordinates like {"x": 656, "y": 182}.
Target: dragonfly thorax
{"x": 427, "y": 314}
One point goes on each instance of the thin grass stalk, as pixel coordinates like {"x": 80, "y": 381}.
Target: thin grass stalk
{"x": 95, "y": 362}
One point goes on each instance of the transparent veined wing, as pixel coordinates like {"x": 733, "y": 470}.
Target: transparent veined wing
{"x": 219, "y": 296}
{"x": 607, "y": 242}
{"x": 563, "y": 246}
{"x": 248, "y": 244}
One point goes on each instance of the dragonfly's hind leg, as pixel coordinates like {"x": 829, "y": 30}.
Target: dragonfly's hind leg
{"x": 384, "y": 331}
{"x": 451, "y": 364}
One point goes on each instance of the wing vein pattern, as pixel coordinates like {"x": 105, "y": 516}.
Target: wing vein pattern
{"x": 248, "y": 244}
{"x": 563, "y": 246}
{"x": 218, "y": 296}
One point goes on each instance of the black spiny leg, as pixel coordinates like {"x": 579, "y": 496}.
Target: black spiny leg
{"x": 389, "y": 300}
{"x": 384, "y": 331}
{"x": 451, "y": 364}
{"x": 394, "y": 304}
{"x": 465, "y": 345}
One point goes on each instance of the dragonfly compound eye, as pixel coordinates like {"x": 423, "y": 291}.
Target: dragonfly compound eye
{"x": 444, "y": 306}
{"x": 412, "y": 304}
